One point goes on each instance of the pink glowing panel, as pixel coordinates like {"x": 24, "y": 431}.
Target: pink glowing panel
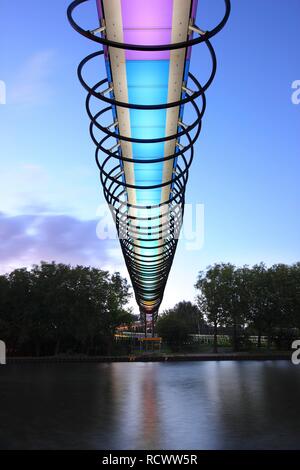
{"x": 147, "y": 23}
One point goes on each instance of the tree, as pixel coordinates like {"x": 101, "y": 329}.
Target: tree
{"x": 191, "y": 314}
{"x": 173, "y": 329}
{"x": 260, "y": 306}
{"x": 226, "y": 290}
{"x": 4, "y": 308}
{"x": 282, "y": 298}
{"x": 19, "y": 307}
{"x": 236, "y": 288}
{"x": 212, "y": 296}
{"x": 295, "y": 303}
{"x": 114, "y": 313}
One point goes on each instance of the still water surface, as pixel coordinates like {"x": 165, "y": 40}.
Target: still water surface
{"x": 189, "y": 405}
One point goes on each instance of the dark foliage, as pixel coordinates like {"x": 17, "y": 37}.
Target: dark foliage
{"x": 55, "y": 308}
{"x": 259, "y": 300}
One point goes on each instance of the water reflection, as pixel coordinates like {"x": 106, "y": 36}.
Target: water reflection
{"x": 196, "y": 405}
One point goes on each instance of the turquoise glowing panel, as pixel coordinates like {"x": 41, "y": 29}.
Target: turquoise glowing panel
{"x": 148, "y": 83}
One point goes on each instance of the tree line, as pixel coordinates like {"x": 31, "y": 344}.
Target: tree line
{"x": 55, "y": 308}
{"x": 240, "y": 301}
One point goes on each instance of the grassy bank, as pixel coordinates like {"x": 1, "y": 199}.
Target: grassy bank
{"x": 157, "y": 357}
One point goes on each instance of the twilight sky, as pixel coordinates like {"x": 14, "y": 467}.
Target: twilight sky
{"x": 247, "y": 162}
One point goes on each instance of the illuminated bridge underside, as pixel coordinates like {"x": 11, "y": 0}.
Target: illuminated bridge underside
{"x": 145, "y": 154}
{"x": 147, "y": 78}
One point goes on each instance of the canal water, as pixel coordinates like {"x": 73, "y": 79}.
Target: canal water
{"x": 189, "y": 405}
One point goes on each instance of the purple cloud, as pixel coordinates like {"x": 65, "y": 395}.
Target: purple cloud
{"x": 28, "y": 239}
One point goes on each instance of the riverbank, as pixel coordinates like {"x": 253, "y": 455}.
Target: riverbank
{"x": 241, "y": 356}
